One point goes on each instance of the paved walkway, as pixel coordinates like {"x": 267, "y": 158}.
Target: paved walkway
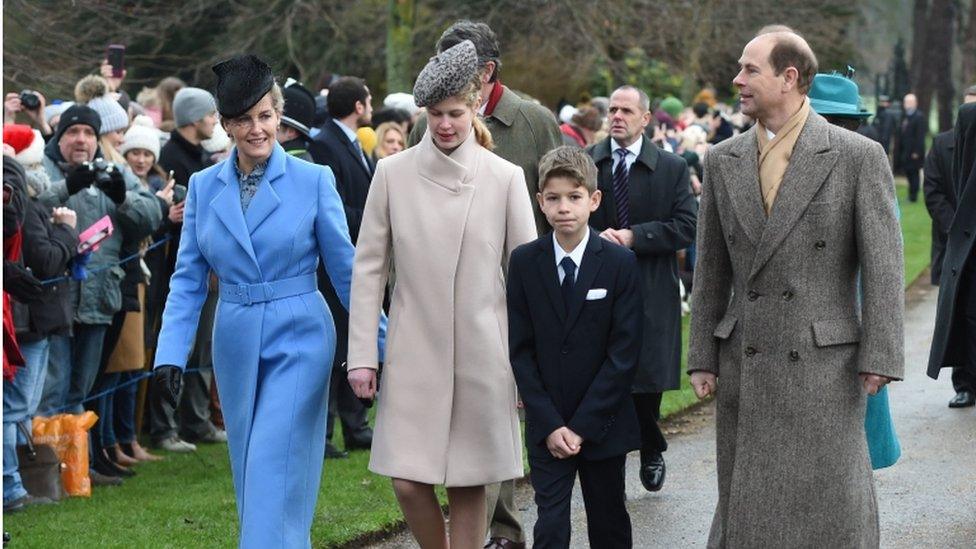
{"x": 928, "y": 499}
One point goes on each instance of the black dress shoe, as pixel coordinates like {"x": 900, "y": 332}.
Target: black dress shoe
{"x": 331, "y": 452}
{"x": 652, "y": 473}
{"x": 963, "y": 399}
{"x": 360, "y": 441}
{"x": 104, "y": 465}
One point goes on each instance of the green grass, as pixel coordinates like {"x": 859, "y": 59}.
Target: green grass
{"x": 188, "y": 500}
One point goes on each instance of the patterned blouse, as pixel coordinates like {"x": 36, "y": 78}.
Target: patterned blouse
{"x": 249, "y": 183}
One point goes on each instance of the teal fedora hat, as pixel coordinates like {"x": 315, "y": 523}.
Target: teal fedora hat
{"x": 836, "y": 95}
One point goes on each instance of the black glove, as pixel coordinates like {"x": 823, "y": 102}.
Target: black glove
{"x": 114, "y": 188}
{"x": 20, "y": 283}
{"x": 167, "y": 381}
{"x": 79, "y": 178}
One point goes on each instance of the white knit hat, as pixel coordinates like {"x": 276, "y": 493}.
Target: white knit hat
{"x": 142, "y": 135}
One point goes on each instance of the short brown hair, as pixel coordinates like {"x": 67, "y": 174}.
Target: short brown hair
{"x": 791, "y": 50}
{"x": 570, "y": 162}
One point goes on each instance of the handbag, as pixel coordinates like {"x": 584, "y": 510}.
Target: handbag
{"x": 40, "y": 468}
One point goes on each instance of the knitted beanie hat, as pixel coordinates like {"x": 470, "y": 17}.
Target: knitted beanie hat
{"x": 112, "y": 115}
{"x": 191, "y": 105}
{"x": 141, "y": 135}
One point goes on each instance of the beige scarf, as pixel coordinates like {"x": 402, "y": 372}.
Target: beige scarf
{"x": 774, "y": 155}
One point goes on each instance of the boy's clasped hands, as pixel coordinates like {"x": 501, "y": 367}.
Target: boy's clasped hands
{"x": 564, "y": 443}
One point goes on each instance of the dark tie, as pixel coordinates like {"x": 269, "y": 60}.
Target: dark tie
{"x": 362, "y": 155}
{"x": 569, "y": 269}
{"x": 621, "y": 190}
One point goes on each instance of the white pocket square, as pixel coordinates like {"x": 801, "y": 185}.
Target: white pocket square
{"x": 596, "y": 293}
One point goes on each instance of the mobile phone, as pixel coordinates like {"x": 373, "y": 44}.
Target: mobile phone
{"x": 179, "y": 193}
{"x": 116, "y": 57}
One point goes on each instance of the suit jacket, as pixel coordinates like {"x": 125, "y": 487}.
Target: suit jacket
{"x": 777, "y": 318}
{"x": 332, "y": 148}
{"x": 273, "y": 359}
{"x": 574, "y": 362}
{"x": 911, "y": 140}
{"x": 959, "y": 267}
{"x": 663, "y": 216}
{"x": 940, "y": 196}
{"x": 523, "y": 131}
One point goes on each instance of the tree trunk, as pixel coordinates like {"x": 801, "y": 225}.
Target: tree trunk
{"x": 969, "y": 44}
{"x": 919, "y": 26}
{"x": 944, "y": 17}
{"x": 401, "y": 16}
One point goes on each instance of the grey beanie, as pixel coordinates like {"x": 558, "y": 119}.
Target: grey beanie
{"x": 446, "y": 74}
{"x": 191, "y": 105}
{"x": 111, "y": 113}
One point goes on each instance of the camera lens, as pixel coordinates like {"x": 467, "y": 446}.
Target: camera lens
{"x": 29, "y": 100}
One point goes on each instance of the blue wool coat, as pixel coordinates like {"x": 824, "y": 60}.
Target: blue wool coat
{"x": 272, "y": 357}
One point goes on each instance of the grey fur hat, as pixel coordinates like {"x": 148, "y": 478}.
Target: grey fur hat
{"x": 446, "y": 74}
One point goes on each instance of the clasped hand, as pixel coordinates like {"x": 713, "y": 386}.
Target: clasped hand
{"x": 363, "y": 382}
{"x": 563, "y": 443}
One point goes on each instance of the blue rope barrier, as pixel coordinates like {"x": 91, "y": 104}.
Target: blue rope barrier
{"x": 107, "y": 392}
{"x": 122, "y": 261}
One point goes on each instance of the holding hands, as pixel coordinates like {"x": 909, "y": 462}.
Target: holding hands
{"x": 564, "y": 443}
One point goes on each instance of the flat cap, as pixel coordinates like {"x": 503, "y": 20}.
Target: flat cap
{"x": 446, "y": 74}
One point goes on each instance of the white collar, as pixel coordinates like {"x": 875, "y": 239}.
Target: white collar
{"x": 345, "y": 129}
{"x": 576, "y": 255}
{"x": 770, "y": 134}
{"x": 634, "y": 148}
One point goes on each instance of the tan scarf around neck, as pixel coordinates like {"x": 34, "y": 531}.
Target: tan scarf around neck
{"x": 774, "y": 155}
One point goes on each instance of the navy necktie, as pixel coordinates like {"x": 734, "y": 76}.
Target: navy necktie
{"x": 569, "y": 280}
{"x": 621, "y": 190}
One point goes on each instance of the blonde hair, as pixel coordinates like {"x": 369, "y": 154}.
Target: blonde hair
{"x": 110, "y": 153}
{"x": 381, "y": 132}
{"x": 471, "y": 95}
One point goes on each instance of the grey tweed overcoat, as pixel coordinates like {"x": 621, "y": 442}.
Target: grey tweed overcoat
{"x": 776, "y": 317}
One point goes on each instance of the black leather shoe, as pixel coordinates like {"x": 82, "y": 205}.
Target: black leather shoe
{"x": 652, "y": 473}
{"x": 109, "y": 468}
{"x": 331, "y": 452}
{"x": 360, "y": 441}
{"x": 963, "y": 399}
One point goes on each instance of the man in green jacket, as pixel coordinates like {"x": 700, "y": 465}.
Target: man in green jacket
{"x": 522, "y": 130}
{"x": 93, "y": 193}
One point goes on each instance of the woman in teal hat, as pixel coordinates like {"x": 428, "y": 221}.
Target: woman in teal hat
{"x": 836, "y": 98}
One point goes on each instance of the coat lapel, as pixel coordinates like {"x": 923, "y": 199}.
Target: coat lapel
{"x": 351, "y": 149}
{"x": 810, "y": 164}
{"x": 740, "y": 168}
{"x": 227, "y": 206}
{"x": 449, "y": 171}
{"x": 546, "y": 262}
{"x": 266, "y": 200}
{"x": 587, "y": 274}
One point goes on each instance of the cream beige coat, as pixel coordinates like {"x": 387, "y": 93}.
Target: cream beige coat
{"x": 447, "y": 396}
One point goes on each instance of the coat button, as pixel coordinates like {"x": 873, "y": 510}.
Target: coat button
{"x": 953, "y": 272}
{"x": 565, "y": 351}
{"x": 731, "y": 239}
{"x": 787, "y": 295}
{"x": 794, "y": 355}
{"x": 820, "y": 245}
{"x": 753, "y": 295}
{"x": 750, "y": 351}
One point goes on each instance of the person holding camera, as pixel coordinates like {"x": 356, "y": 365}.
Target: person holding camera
{"x": 83, "y": 181}
{"x": 32, "y": 104}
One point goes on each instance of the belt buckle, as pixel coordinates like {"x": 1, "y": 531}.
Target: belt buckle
{"x": 243, "y": 292}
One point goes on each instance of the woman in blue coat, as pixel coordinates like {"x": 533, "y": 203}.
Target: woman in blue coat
{"x": 260, "y": 221}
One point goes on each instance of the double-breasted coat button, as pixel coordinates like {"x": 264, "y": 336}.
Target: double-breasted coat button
{"x": 787, "y": 295}
{"x": 753, "y": 295}
{"x": 953, "y": 272}
{"x": 794, "y": 355}
{"x": 820, "y": 245}
{"x": 750, "y": 351}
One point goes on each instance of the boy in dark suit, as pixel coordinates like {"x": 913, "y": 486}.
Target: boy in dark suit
{"x": 574, "y": 313}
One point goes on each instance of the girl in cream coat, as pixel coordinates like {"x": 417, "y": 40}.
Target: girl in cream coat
{"x": 447, "y": 213}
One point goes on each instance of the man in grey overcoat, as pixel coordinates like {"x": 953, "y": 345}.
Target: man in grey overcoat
{"x": 792, "y": 211}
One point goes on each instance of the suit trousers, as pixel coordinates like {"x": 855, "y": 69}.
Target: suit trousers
{"x": 503, "y": 515}
{"x": 914, "y": 182}
{"x": 194, "y": 408}
{"x": 648, "y": 407}
{"x": 604, "y": 497}
{"x": 344, "y": 403}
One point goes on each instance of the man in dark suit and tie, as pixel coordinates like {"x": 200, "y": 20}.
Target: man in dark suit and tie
{"x": 647, "y": 207}
{"x": 574, "y": 316}
{"x": 337, "y": 147}
{"x": 910, "y": 151}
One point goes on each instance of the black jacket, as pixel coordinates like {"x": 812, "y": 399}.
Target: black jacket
{"x": 183, "y": 157}
{"x": 911, "y": 141}
{"x": 959, "y": 267}
{"x": 332, "y": 148}
{"x": 940, "y": 196}
{"x": 663, "y": 216}
{"x": 574, "y": 365}
{"x": 46, "y": 250}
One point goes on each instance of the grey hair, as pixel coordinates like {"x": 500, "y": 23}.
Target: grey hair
{"x": 642, "y": 98}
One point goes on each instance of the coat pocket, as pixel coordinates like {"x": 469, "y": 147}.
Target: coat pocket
{"x": 838, "y": 331}
{"x": 725, "y": 326}
{"x": 102, "y": 292}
